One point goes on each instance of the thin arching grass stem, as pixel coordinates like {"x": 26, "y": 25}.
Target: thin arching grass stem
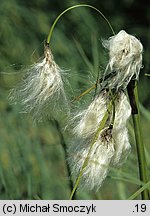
{"x": 73, "y": 7}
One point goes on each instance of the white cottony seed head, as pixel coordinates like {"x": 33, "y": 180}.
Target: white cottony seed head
{"x": 122, "y": 146}
{"x": 120, "y": 132}
{"x": 42, "y": 88}
{"x": 98, "y": 161}
{"x": 122, "y": 110}
{"x": 112, "y": 146}
{"x": 125, "y": 59}
{"x": 87, "y": 121}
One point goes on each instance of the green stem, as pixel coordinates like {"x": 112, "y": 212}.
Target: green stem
{"x": 142, "y": 189}
{"x": 64, "y": 146}
{"x": 73, "y": 7}
{"x": 84, "y": 93}
{"x": 140, "y": 147}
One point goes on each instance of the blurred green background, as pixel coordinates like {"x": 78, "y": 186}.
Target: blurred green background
{"x": 32, "y": 164}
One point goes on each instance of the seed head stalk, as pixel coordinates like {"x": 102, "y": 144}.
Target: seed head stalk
{"x": 140, "y": 148}
{"x": 73, "y": 7}
{"x": 138, "y": 137}
{"x": 64, "y": 146}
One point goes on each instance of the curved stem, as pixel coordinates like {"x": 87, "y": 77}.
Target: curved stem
{"x": 73, "y": 7}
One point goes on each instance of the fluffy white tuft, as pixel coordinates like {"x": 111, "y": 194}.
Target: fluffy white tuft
{"x": 42, "y": 88}
{"x": 93, "y": 114}
{"x": 122, "y": 146}
{"x": 125, "y": 59}
{"x": 120, "y": 132}
{"x": 123, "y": 110}
{"x": 98, "y": 161}
{"x": 112, "y": 146}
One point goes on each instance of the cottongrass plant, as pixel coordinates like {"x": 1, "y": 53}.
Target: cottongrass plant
{"x": 100, "y": 134}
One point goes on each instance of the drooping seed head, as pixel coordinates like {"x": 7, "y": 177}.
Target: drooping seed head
{"x": 41, "y": 93}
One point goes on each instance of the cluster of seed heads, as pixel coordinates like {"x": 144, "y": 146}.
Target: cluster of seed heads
{"x": 42, "y": 92}
{"x": 111, "y": 147}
